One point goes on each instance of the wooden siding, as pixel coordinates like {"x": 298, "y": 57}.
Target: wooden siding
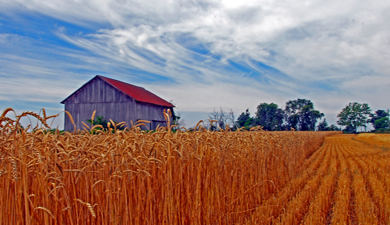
{"x": 111, "y": 104}
{"x": 97, "y": 91}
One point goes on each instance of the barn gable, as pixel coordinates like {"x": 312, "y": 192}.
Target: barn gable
{"x": 114, "y": 100}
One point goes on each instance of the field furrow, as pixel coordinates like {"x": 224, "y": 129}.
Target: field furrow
{"x": 349, "y": 187}
{"x": 274, "y": 206}
{"x": 376, "y": 186}
{"x": 319, "y": 208}
{"x": 365, "y": 207}
{"x": 341, "y": 208}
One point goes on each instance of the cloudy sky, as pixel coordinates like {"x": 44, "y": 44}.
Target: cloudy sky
{"x": 202, "y": 55}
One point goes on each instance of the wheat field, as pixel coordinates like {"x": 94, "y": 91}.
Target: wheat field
{"x": 189, "y": 177}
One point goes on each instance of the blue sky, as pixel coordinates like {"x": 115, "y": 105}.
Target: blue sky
{"x": 202, "y": 55}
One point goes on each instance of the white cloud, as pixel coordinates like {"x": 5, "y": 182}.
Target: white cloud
{"x": 342, "y": 44}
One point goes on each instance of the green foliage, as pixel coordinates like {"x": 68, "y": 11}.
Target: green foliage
{"x": 333, "y": 128}
{"x": 353, "y": 116}
{"x": 248, "y": 123}
{"x": 99, "y": 120}
{"x": 382, "y": 123}
{"x": 382, "y": 130}
{"x": 269, "y": 116}
{"x": 323, "y": 126}
{"x": 380, "y": 119}
{"x": 245, "y": 120}
{"x": 301, "y": 115}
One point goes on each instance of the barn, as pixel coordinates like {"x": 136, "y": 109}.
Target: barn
{"x": 115, "y": 100}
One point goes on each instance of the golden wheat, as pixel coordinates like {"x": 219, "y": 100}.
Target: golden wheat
{"x": 133, "y": 176}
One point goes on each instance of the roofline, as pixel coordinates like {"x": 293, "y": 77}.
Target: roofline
{"x": 63, "y": 101}
{"x": 152, "y": 103}
{"x": 101, "y": 77}
{"x": 129, "y": 95}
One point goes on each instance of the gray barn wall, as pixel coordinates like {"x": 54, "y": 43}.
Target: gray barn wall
{"x": 111, "y": 104}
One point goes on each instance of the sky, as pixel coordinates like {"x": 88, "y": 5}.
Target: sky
{"x": 201, "y": 55}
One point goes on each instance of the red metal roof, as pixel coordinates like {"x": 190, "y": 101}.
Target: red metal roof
{"x": 137, "y": 93}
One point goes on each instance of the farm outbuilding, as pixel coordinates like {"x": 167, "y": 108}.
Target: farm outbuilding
{"x": 115, "y": 100}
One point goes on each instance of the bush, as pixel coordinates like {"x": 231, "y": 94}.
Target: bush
{"x": 99, "y": 120}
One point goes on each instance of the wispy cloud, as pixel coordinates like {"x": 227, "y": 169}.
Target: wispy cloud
{"x": 202, "y": 54}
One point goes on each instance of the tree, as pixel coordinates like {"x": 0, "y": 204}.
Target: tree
{"x": 382, "y": 123}
{"x": 334, "y": 128}
{"x": 178, "y": 121}
{"x": 323, "y": 126}
{"x": 223, "y": 118}
{"x": 269, "y": 116}
{"x": 379, "y": 119}
{"x": 353, "y": 116}
{"x": 301, "y": 115}
{"x": 231, "y": 119}
{"x": 244, "y": 120}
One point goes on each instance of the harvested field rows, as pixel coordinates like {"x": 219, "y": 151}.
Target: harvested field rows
{"x": 350, "y": 186}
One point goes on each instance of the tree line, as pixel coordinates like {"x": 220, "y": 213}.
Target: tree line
{"x": 301, "y": 115}
{"x": 356, "y": 115}
{"x": 297, "y": 114}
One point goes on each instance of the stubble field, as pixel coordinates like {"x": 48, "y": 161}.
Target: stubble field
{"x": 198, "y": 177}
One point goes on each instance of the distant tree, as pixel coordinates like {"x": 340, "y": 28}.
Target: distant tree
{"x": 269, "y": 116}
{"x": 334, "y": 128}
{"x": 379, "y": 114}
{"x": 223, "y": 118}
{"x": 380, "y": 119}
{"x": 309, "y": 117}
{"x": 323, "y": 126}
{"x": 382, "y": 123}
{"x": 231, "y": 119}
{"x": 301, "y": 115}
{"x": 249, "y": 123}
{"x": 244, "y": 120}
{"x": 178, "y": 121}
{"x": 353, "y": 116}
